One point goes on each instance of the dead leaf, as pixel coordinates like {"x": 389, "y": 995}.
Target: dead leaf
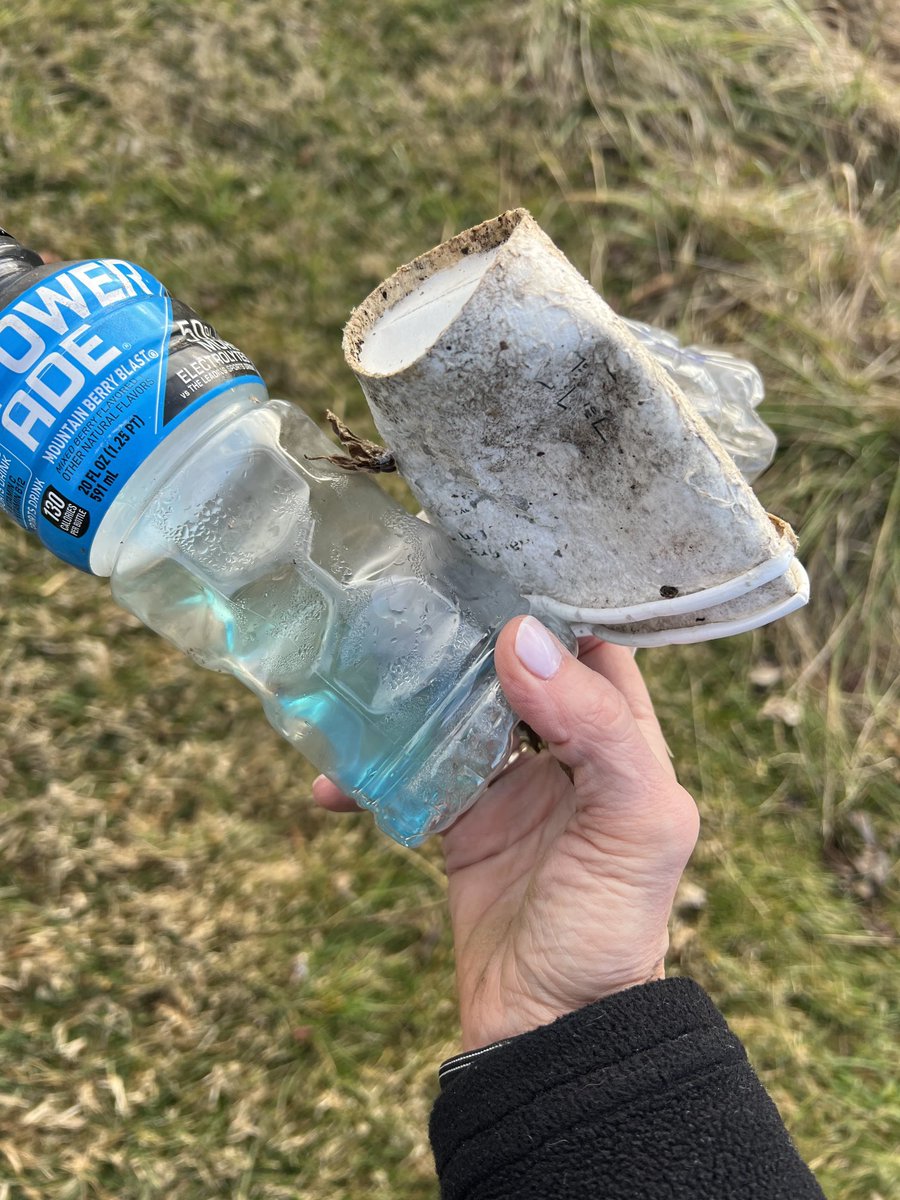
{"x": 783, "y": 709}
{"x": 765, "y": 675}
{"x": 690, "y": 898}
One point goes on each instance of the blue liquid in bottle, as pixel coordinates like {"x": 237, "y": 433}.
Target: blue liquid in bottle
{"x": 366, "y": 634}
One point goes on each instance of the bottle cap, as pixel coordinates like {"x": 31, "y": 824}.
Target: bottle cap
{"x": 10, "y": 247}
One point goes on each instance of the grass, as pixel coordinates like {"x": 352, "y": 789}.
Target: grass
{"x": 207, "y": 988}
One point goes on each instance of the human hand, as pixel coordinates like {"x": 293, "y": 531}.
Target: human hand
{"x": 561, "y": 877}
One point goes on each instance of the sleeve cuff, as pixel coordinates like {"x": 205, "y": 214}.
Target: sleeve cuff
{"x": 644, "y": 1093}
{"x": 628, "y": 1022}
{"x": 459, "y": 1062}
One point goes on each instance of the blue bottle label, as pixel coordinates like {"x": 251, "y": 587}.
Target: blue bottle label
{"x": 98, "y": 364}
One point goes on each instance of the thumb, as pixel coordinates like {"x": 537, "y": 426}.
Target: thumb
{"x": 590, "y": 727}
{"x": 580, "y": 713}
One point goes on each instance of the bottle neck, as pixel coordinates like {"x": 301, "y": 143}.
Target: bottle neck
{"x": 12, "y": 251}
{"x": 15, "y": 260}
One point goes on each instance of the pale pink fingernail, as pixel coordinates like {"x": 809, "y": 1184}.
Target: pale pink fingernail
{"x": 536, "y": 649}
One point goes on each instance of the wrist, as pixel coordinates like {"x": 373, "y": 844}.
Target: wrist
{"x": 485, "y": 1021}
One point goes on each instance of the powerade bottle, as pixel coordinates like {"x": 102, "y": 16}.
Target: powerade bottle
{"x": 139, "y": 445}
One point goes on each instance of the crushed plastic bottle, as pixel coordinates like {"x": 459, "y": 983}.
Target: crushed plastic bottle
{"x": 725, "y": 391}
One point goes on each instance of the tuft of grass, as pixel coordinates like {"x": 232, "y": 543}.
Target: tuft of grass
{"x": 208, "y": 989}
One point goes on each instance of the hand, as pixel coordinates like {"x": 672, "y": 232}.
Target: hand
{"x": 562, "y": 876}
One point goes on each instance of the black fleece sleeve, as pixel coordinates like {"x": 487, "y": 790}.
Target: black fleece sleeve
{"x": 646, "y": 1095}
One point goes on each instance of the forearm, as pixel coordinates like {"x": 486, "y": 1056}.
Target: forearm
{"x": 645, "y": 1094}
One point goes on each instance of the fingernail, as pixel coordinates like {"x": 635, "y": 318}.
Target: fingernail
{"x": 536, "y": 649}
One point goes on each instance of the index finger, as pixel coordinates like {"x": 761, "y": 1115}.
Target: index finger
{"x": 328, "y": 795}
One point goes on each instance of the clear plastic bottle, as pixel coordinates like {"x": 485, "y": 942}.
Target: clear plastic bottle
{"x": 139, "y": 445}
{"x": 364, "y": 632}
